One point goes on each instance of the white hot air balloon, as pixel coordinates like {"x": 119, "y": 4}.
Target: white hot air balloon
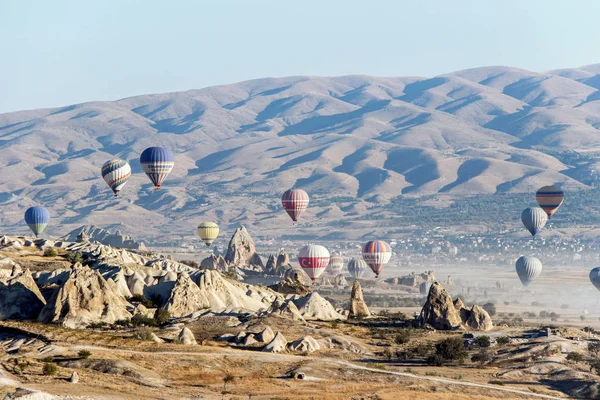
{"x": 534, "y": 219}
{"x": 313, "y": 259}
{"x": 528, "y": 268}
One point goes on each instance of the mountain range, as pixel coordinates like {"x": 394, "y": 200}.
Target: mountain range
{"x": 353, "y": 143}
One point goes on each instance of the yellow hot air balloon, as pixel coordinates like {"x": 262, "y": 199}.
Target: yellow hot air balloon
{"x": 208, "y": 232}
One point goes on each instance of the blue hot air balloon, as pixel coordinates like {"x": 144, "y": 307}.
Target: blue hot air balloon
{"x": 157, "y": 162}
{"x": 37, "y": 218}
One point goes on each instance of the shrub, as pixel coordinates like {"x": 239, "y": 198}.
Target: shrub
{"x": 97, "y": 325}
{"x": 490, "y": 308}
{"x": 50, "y": 252}
{"x": 544, "y": 314}
{"x": 496, "y": 382}
{"x": 575, "y": 357}
{"x": 403, "y": 336}
{"x": 48, "y": 359}
{"x": 143, "y": 334}
{"x": 162, "y": 317}
{"x": 138, "y": 298}
{"x": 85, "y": 354}
{"x": 50, "y": 369}
{"x": 594, "y": 348}
{"x": 74, "y": 257}
{"x": 483, "y": 341}
{"x": 436, "y": 359}
{"x": 529, "y": 314}
{"x": 482, "y": 356}
{"x": 388, "y": 353}
{"x": 451, "y": 349}
{"x": 142, "y": 320}
{"x": 502, "y": 340}
{"x": 420, "y": 350}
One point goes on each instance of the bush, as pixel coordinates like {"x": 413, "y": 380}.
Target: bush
{"x": 594, "y": 348}
{"x": 496, "y": 382}
{"x": 436, "y": 359}
{"x": 482, "y": 356}
{"x": 452, "y": 349}
{"x": 575, "y": 357}
{"x": 403, "y": 336}
{"x": 544, "y": 314}
{"x": 490, "y": 308}
{"x": 48, "y": 359}
{"x": 483, "y": 341}
{"x": 85, "y": 354}
{"x": 143, "y": 334}
{"x": 74, "y": 257}
{"x": 162, "y": 317}
{"x": 138, "y": 298}
{"x": 50, "y": 369}
{"x": 50, "y": 252}
{"x": 97, "y": 325}
{"x": 142, "y": 320}
{"x": 502, "y": 340}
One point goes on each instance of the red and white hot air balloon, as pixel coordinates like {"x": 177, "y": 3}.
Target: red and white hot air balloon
{"x": 295, "y": 202}
{"x": 313, "y": 259}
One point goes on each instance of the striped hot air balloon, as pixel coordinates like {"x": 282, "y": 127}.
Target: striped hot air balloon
{"x": 550, "y": 198}
{"x": 37, "y": 218}
{"x": 157, "y": 162}
{"x": 534, "y": 219}
{"x": 376, "y": 254}
{"x": 528, "y": 268}
{"x": 313, "y": 259}
{"x": 208, "y": 232}
{"x": 115, "y": 174}
{"x": 357, "y": 268}
{"x": 295, "y": 202}
{"x": 336, "y": 264}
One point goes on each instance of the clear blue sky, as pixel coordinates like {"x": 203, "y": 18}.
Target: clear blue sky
{"x": 59, "y": 52}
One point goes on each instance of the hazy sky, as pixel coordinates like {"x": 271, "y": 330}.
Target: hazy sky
{"x": 59, "y": 52}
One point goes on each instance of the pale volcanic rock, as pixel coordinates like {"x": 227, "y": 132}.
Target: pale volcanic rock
{"x": 285, "y": 309}
{"x": 185, "y": 298}
{"x": 313, "y": 306}
{"x": 306, "y": 344}
{"x": 266, "y": 335}
{"x": 214, "y": 262}
{"x": 84, "y": 298}
{"x": 277, "y": 345}
{"x": 358, "y": 307}
{"x": 479, "y": 319}
{"x": 20, "y": 297}
{"x": 241, "y": 250}
{"x": 439, "y": 311}
{"x": 186, "y": 337}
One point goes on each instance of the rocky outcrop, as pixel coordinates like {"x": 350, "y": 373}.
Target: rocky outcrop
{"x": 413, "y": 279}
{"x": 266, "y": 335}
{"x": 358, "y": 307}
{"x": 340, "y": 281}
{"x": 271, "y": 267}
{"x": 186, "y": 337}
{"x": 84, "y": 298}
{"x": 306, "y": 344}
{"x": 478, "y": 319}
{"x": 241, "y": 250}
{"x": 20, "y": 297}
{"x": 458, "y": 304}
{"x": 285, "y": 309}
{"x": 214, "y": 262}
{"x": 283, "y": 262}
{"x": 289, "y": 286}
{"x": 439, "y": 311}
{"x": 74, "y": 377}
{"x": 83, "y": 237}
{"x": 315, "y": 307}
{"x": 277, "y": 345}
{"x": 96, "y": 234}
{"x": 185, "y": 298}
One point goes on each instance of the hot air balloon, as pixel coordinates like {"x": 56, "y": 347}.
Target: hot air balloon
{"x": 295, "y": 202}
{"x": 595, "y": 277}
{"x": 157, "y": 162}
{"x": 550, "y": 198}
{"x": 37, "y": 218}
{"x": 357, "y": 268}
{"x": 376, "y": 254}
{"x": 534, "y": 219}
{"x": 528, "y": 268}
{"x": 313, "y": 259}
{"x": 336, "y": 264}
{"x": 208, "y": 232}
{"x": 115, "y": 174}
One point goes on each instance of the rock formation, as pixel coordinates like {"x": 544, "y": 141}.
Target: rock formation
{"x": 186, "y": 337}
{"x": 288, "y": 286}
{"x": 74, "y": 377}
{"x": 358, "y": 307}
{"x": 266, "y": 335}
{"x": 215, "y": 262}
{"x": 277, "y": 345}
{"x": 185, "y": 298}
{"x": 84, "y": 298}
{"x": 92, "y": 233}
{"x": 83, "y": 237}
{"x": 271, "y": 267}
{"x": 241, "y": 250}
{"x": 340, "y": 281}
{"x": 283, "y": 262}
{"x": 155, "y": 338}
{"x": 478, "y": 319}
{"x": 20, "y": 297}
{"x": 439, "y": 311}
{"x": 313, "y": 306}
{"x": 305, "y": 344}
{"x": 286, "y": 309}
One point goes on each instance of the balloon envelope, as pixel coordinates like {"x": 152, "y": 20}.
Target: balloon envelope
{"x": 116, "y": 173}
{"x": 313, "y": 259}
{"x": 595, "y": 277}
{"x": 336, "y": 264}
{"x": 295, "y": 202}
{"x": 37, "y": 218}
{"x": 357, "y": 268}
{"x": 208, "y": 232}
{"x": 534, "y": 219}
{"x": 550, "y": 198}
{"x": 157, "y": 162}
{"x": 528, "y": 268}
{"x": 376, "y": 254}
